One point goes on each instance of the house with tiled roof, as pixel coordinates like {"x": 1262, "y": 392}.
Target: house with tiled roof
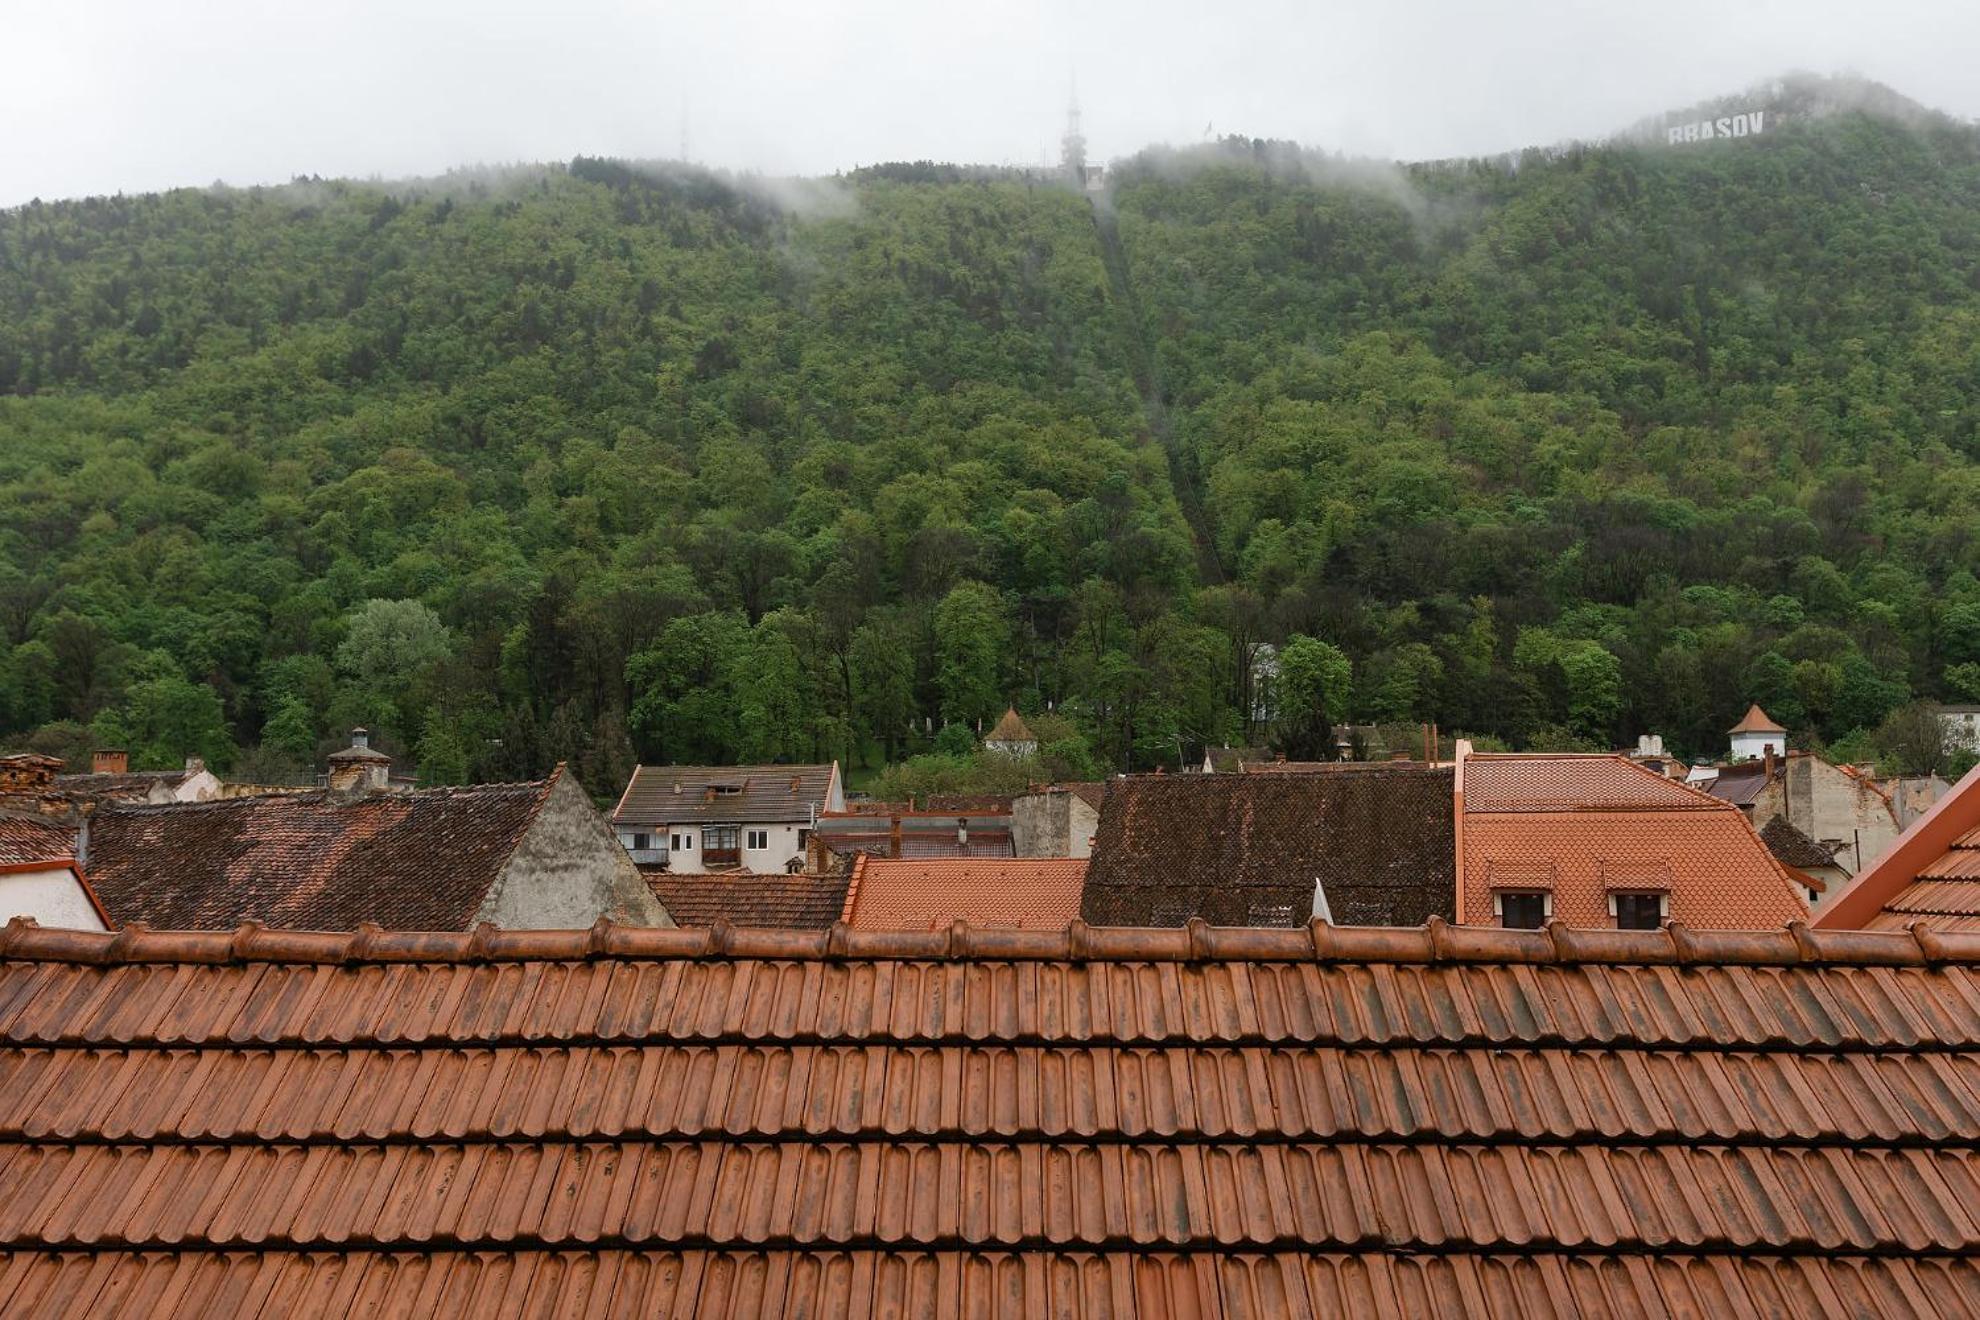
{"x": 1597, "y": 840}
{"x": 532, "y": 855}
{"x": 1756, "y": 735}
{"x": 39, "y": 876}
{"x": 1012, "y": 736}
{"x": 28, "y": 779}
{"x": 1375, "y": 846}
{"x": 1202, "y": 1122}
{"x": 1028, "y": 893}
{"x": 1811, "y": 862}
{"x": 1930, "y": 876}
{"x": 1840, "y": 807}
{"x": 692, "y": 819}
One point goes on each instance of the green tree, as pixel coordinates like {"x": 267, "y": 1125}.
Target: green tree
{"x": 972, "y": 637}
{"x": 1311, "y": 693}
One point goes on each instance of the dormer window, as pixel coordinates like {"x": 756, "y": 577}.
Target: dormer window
{"x": 1639, "y": 890}
{"x": 1639, "y": 911}
{"x": 1522, "y": 892}
{"x": 726, "y": 790}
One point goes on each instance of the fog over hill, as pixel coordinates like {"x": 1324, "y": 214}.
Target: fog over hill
{"x": 583, "y": 461}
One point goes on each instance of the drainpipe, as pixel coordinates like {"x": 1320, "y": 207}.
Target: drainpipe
{"x": 1458, "y": 754}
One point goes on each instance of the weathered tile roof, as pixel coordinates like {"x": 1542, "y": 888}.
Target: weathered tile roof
{"x": 930, "y": 833}
{"x": 27, "y": 837}
{"x": 1011, "y": 729}
{"x": 1791, "y": 846}
{"x": 1021, "y": 893}
{"x": 1230, "y": 760}
{"x": 1249, "y": 849}
{"x": 1930, "y": 874}
{"x": 1743, "y": 783}
{"x": 1194, "y": 1121}
{"x": 1756, "y": 721}
{"x": 406, "y": 861}
{"x": 799, "y": 902}
{"x": 726, "y": 794}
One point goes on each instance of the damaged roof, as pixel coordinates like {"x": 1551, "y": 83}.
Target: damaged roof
{"x": 1193, "y": 1121}
{"x": 1249, "y": 849}
{"x": 318, "y": 861}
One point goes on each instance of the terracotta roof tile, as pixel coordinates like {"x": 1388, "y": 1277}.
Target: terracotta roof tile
{"x": 1204, "y": 1121}
{"x": 1756, "y": 721}
{"x": 802, "y": 902}
{"x": 1011, "y": 729}
{"x": 1021, "y": 893}
{"x": 409, "y": 861}
{"x": 1929, "y": 875}
{"x": 1571, "y": 782}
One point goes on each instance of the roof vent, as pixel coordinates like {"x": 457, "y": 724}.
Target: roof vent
{"x": 361, "y": 738}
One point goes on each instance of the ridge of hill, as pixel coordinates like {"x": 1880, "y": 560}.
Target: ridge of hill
{"x": 603, "y": 460}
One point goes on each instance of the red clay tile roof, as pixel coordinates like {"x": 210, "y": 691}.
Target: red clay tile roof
{"x": 1756, "y": 721}
{"x": 1249, "y": 849}
{"x": 727, "y": 794}
{"x": 1742, "y": 784}
{"x": 1316, "y": 1121}
{"x": 407, "y": 861}
{"x": 1024, "y": 893}
{"x": 1571, "y": 782}
{"x": 1929, "y": 875}
{"x": 800, "y": 902}
{"x": 34, "y": 838}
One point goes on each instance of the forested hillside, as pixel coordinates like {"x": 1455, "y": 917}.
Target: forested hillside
{"x": 594, "y": 461}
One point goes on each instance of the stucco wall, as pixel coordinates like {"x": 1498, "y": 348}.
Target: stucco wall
{"x": 53, "y": 897}
{"x": 1053, "y": 824}
{"x": 1825, "y": 804}
{"x": 783, "y": 842}
{"x": 568, "y": 871}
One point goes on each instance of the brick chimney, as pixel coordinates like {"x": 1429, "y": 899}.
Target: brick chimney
{"x": 28, "y": 772}
{"x": 110, "y": 761}
{"x": 359, "y": 768}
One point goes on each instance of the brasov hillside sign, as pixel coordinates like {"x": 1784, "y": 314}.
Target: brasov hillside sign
{"x": 1743, "y": 125}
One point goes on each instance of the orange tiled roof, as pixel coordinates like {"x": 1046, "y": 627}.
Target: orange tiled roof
{"x": 1930, "y": 874}
{"x": 1547, "y": 781}
{"x": 1261, "y": 1122}
{"x": 1017, "y": 892}
{"x": 1583, "y": 827}
{"x": 1756, "y": 721}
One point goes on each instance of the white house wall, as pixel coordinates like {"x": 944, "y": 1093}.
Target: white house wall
{"x": 53, "y": 898}
{"x": 781, "y": 845}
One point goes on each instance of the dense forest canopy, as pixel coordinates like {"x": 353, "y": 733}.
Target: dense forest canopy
{"x": 598, "y": 461}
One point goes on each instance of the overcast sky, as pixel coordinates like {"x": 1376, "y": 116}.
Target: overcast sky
{"x": 128, "y": 95}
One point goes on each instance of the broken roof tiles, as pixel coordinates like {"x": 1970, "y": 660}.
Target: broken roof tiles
{"x": 1184, "y": 1121}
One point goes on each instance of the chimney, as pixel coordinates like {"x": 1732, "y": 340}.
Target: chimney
{"x": 359, "y": 769}
{"x": 1767, "y": 760}
{"x": 110, "y": 761}
{"x": 195, "y": 765}
{"x": 962, "y": 831}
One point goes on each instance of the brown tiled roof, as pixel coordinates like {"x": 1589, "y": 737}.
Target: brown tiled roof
{"x": 1564, "y": 781}
{"x": 1742, "y": 784}
{"x": 407, "y": 861}
{"x": 1792, "y": 847}
{"x": 1195, "y": 1121}
{"x": 1230, "y": 760}
{"x": 34, "y": 838}
{"x": 1756, "y": 721}
{"x": 727, "y": 794}
{"x": 1011, "y": 729}
{"x": 129, "y": 784}
{"x": 800, "y": 902}
{"x": 1021, "y": 893}
{"x": 1092, "y": 793}
{"x": 1248, "y": 849}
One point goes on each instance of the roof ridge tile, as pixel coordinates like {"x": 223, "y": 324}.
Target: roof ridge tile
{"x": 1439, "y": 942}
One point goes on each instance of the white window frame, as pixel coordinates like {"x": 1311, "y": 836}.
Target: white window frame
{"x": 1499, "y": 905}
{"x": 1663, "y": 902}
{"x": 756, "y": 838}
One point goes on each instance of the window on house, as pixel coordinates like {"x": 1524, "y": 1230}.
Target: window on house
{"x": 1522, "y": 911}
{"x": 759, "y": 839}
{"x": 642, "y": 842}
{"x": 682, "y": 842}
{"x": 1637, "y": 911}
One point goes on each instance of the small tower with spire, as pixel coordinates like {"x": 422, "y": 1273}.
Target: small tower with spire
{"x": 1072, "y": 147}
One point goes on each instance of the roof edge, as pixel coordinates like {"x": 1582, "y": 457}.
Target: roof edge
{"x": 1857, "y": 903}
{"x": 1435, "y": 942}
